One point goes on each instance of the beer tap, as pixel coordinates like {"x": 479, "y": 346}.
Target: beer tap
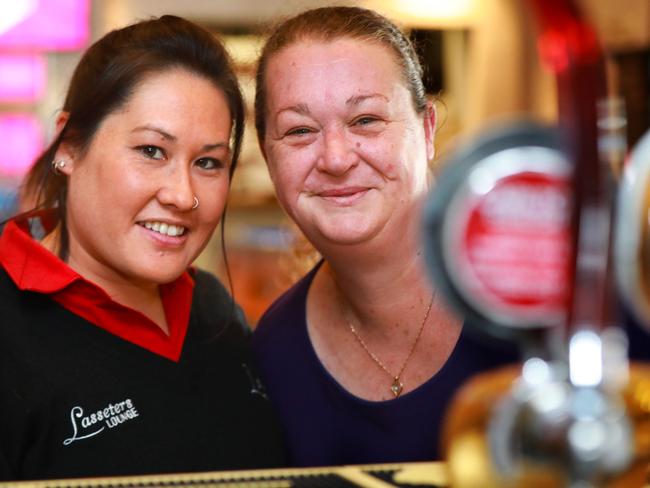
{"x": 518, "y": 237}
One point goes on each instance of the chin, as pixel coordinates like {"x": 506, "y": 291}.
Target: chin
{"x": 158, "y": 275}
{"x": 348, "y": 237}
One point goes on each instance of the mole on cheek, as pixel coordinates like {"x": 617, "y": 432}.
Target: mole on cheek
{"x": 358, "y": 145}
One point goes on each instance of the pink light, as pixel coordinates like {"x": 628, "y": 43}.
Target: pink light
{"x": 21, "y": 140}
{"x": 23, "y": 78}
{"x": 50, "y": 25}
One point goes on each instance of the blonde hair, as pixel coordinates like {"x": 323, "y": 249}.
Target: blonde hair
{"x": 329, "y": 23}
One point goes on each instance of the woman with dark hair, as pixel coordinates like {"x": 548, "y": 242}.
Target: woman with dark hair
{"x": 116, "y": 357}
{"x": 360, "y": 357}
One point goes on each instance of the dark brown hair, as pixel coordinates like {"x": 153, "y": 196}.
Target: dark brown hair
{"x": 330, "y": 23}
{"x": 107, "y": 76}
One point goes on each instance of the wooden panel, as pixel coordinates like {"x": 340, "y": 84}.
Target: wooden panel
{"x": 621, "y": 24}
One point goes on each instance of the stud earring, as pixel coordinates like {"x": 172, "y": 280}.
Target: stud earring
{"x": 196, "y": 204}
{"x": 58, "y": 165}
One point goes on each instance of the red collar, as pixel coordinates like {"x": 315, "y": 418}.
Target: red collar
{"x": 34, "y": 268}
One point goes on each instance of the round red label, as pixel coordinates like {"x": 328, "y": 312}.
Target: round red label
{"x": 514, "y": 251}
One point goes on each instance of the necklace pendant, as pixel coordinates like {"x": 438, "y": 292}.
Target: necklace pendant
{"x": 397, "y": 387}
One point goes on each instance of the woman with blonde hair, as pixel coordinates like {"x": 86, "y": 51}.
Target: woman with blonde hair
{"x": 361, "y": 356}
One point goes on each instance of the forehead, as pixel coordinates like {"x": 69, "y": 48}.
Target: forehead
{"x": 325, "y": 68}
{"x": 176, "y": 98}
{"x": 169, "y": 86}
{"x": 181, "y": 103}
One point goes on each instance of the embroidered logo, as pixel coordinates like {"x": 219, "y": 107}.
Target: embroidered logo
{"x": 85, "y": 426}
{"x": 257, "y": 387}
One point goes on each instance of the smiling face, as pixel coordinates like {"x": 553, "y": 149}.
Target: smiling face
{"x": 346, "y": 150}
{"x": 131, "y": 193}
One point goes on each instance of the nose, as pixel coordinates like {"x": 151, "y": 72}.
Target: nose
{"x": 176, "y": 189}
{"x": 338, "y": 155}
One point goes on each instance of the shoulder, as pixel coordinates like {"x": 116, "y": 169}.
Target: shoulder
{"x": 213, "y": 304}
{"x": 12, "y": 299}
{"x": 288, "y": 310}
{"x": 12, "y": 305}
{"x": 7, "y": 286}
{"x": 476, "y": 351}
{"x": 208, "y": 287}
{"x": 638, "y": 336}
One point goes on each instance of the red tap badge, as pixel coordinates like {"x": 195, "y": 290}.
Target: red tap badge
{"x": 499, "y": 224}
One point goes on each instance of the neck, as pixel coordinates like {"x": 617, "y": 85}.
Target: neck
{"x": 143, "y": 297}
{"x": 373, "y": 282}
{"x": 371, "y": 307}
{"x": 52, "y": 241}
{"x": 372, "y": 293}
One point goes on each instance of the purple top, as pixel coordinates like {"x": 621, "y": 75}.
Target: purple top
{"x": 324, "y": 424}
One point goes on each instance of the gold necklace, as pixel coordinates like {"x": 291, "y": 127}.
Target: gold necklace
{"x": 396, "y": 386}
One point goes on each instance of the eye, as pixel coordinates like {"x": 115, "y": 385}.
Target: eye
{"x": 299, "y": 131}
{"x": 209, "y": 163}
{"x": 152, "y": 152}
{"x": 365, "y": 120}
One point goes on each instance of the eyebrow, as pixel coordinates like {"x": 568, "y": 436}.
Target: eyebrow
{"x": 357, "y": 99}
{"x": 300, "y": 108}
{"x": 167, "y": 136}
{"x": 303, "y": 109}
{"x": 218, "y": 145}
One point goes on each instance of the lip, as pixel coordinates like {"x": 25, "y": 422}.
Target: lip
{"x": 162, "y": 239}
{"x": 167, "y": 221}
{"x": 343, "y": 195}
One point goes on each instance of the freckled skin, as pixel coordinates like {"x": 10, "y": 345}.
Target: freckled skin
{"x": 355, "y": 126}
{"x": 115, "y": 185}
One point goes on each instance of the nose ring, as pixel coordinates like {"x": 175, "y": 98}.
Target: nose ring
{"x": 196, "y": 203}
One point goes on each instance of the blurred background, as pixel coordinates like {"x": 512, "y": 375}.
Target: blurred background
{"x": 480, "y": 61}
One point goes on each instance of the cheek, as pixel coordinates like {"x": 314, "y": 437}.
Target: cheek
{"x": 403, "y": 156}
{"x": 387, "y": 158}
{"x": 285, "y": 187}
{"x": 291, "y": 169}
{"x": 119, "y": 181}
{"x": 390, "y": 170}
{"x": 212, "y": 201}
{"x": 284, "y": 172}
{"x": 89, "y": 192}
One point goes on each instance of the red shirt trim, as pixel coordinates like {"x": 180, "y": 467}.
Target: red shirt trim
{"x": 32, "y": 267}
